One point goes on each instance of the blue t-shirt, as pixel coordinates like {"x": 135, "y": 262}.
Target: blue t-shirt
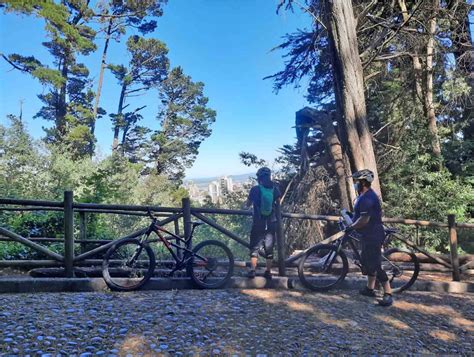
{"x": 368, "y": 204}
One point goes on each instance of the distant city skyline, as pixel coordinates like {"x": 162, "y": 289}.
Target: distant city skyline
{"x": 215, "y": 188}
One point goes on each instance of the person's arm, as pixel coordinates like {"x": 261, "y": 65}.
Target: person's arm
{"x": 364, "y": 218}
{"x": 250, "y": 199}
{"x": 277, "y": 195}
{"x": 246, "y": 205}
{"x": 360, "y": 223}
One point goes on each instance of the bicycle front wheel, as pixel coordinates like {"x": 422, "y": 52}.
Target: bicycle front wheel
{"x": 128, "y": 265}
{"x": 211, "y": 265}
{"x": 402, "y": 268}
{"x": 322, "y": 267}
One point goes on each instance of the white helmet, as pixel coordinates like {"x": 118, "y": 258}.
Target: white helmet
{"x": 363, "y": 175}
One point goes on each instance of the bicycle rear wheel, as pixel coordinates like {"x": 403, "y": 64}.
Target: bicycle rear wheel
{"x": 211, "y": 265}
{"x": 322, "y": 267}
{"x": 402, "y": 268}
{"x": 128, "y": 265}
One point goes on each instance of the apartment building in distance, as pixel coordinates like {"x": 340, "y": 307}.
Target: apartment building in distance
{"x": 216, "y": 189}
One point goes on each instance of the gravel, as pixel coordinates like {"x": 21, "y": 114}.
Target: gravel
{"x": 233, "y": 322}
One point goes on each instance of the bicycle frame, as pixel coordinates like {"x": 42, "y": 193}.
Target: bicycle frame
{"x": 159, "y": 230}
{"x": 347, "y": 239}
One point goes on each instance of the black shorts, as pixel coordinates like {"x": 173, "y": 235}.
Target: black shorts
{"x": 262, "y": 235}
{"x": 371, "y": 256}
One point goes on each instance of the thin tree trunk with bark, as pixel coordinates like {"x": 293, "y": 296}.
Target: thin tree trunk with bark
{"x": 432, "y": 126}
{"x": 335, "y": 149}
{"x": 101, "y": 80}
{"x": 62, "y": 105}
{"x": 119, "y": 113}
{"x": 348, "y": 73}
{"x": 416, "y": 61}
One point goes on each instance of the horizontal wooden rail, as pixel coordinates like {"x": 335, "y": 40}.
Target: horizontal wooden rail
{"x": 10, "y": 201}
{"x": 235, "y": 212}
{"x": 59, "y": 240}
{"x": 104, "y": 211}
{"x": 31, "y": 244}
{"x": 126, "y": 207}
{"x": 415, "y": 222}
{"x": 311, "y": 217}
{"x": 465, "y": 225}
{"x": 133, "y": 209}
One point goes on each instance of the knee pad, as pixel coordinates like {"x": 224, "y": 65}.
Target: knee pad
{"x": 268, "y": 244}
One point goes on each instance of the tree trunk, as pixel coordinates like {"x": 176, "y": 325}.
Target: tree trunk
{"x": 416, "y": 62}
{"x": 101, "y": 79}
{"x": 335, "y": 150}
{"x": 464, "y": 54}
{"x": 348, "y": 74}
{"x": 62, "y": 106}
{"x": 432, "y": 126}
{"x": 124, "y": 137}
{"x": 117, "y": 124}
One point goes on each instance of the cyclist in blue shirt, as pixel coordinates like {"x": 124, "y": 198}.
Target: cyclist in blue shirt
{"x": 368, "y": 222}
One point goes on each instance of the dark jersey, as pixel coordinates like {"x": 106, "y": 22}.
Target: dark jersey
{"x": 255, "y": 198}
{"x": 368, "y": 204}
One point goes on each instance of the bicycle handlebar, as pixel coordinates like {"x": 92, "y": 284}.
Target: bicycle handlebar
{"x": 347, "y": 218}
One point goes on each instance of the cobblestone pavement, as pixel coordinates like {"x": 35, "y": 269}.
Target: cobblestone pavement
{"x": 233, "y": 322}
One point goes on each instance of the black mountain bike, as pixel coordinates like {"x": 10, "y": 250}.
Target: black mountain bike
{"x": 131, "y": 262}
{"x": 325, "y": 265}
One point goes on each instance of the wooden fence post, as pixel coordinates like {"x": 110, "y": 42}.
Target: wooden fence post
{"x": 82, "y": 230}
{"x": 179, "y": 251}
{"x": 280, "y": 241}
{"x": 187, "y": 220}
{"x": 68, "y": 234}
{"x": 453, "y": 247}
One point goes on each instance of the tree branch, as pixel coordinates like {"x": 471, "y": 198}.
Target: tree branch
{"x": 23, "y": 69}
{"x": 417, "y": 6}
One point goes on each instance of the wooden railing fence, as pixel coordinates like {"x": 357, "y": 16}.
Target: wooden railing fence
{"x": 174, "y": 214}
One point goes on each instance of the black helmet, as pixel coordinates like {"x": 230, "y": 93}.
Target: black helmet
{"x": 363, "y": 175}
{"x": 264, "y": 171}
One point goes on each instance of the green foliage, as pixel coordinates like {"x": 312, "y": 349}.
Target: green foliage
{"x": 416, "y": 191}
{"x": 185, "y": 123}
{"x": 63, "y": 160}
{"x": 37, "y": 224}
{"x": 68, "y": 101}
{"x": 414, "y": 183}
{"x": 28, "y": 170}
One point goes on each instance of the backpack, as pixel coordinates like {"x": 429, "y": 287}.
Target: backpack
{"x": 266, "y": 201}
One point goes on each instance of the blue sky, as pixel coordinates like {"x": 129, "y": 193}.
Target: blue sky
{"x": 224, "y": 43}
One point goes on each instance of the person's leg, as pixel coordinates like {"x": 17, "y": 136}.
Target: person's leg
{"x": 253, "y": 254}
{"x": 268, "y": 246}
{"x": 255, "y": 243}
{"x": 253, "y": 264}
{"x": 269, "y": 263}
{"x": 382, "y": 277}
{"x": 387, "y": 288}
{"x": 369, "y": 268}
{"x": 371, "y": 281}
